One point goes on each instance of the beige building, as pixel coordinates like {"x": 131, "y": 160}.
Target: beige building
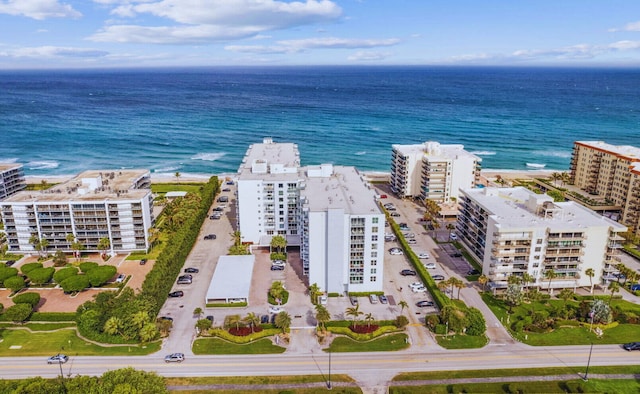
{"x": 11, "y": 179}
{"x": 91, "y": 206}
{"x": 611, "y": 172}
{"x": 433, "y": 171}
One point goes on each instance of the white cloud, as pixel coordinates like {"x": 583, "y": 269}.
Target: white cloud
{"x": 38, "y": 9}
{"x": 368, "y": 56}
{"x": 633, "y": 26}
{"x": 191, "y": 21}
{"x": 625, "y": 45}
{"x": 294, "y": 46}
{"x": 48, "y": 52}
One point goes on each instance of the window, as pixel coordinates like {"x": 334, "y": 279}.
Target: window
{"x": 374, "y": 253}
{"x": 373, "y": 270}
{"x": 373, "y": 279}
{"x": 538, "y": 248}
{"x": 374, "y": 246}
{"x": 374, "y": 229}
{"x": 374, "y": 220}
{"x": 374, "y": 262}
{"x": 374, "y": 238}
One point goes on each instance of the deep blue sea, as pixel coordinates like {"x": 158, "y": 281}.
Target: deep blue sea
{"x": 201, "y": 120}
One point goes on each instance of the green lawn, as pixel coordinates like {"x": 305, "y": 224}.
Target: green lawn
{"x": 571, "y": 386}
{"x": 176, "y": 187}
{"x": 255, "y": 379}
{"x": 41, "y": 326}
{"x": 383, "y": 344}
{"x": 52, "y": 342}
{"x": 461, "y": 341}
{"x": 219, "y": 346}
{"x": 316, "y": 390}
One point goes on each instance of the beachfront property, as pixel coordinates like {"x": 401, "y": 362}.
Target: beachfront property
{"x": 329, "y": 212}
{"x": 433, "y": 171}
{"x": 513, "y": 231}
{"x": 610, "y": 172}
{"x": 11, "y": 179}
{"x": 116, "y": 205}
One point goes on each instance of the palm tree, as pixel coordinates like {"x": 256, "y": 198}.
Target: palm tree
{"x": 590, "y": 273}
{"x": 368, "y": 318}
{"x": 278, "y": 242}
{"x": 354, "y": 312}
{"x": 44, "y": 244}
{"x": 197, "y": 312}
{"x": 614, "y": 287}
{"x": 403, "y": 304}
{"x": 314, "y": 291}
{"x": 154, "y": 236}
{"x": 283, "y": 321}
{"x": 551, "y": 275}
{"x": 104, "y": 244}
{"x": 514, "y": 280}
{"x": 277, "y": 291}
{"x": 177, "y": 175}
{"x": 483, "y": 280}
{"x": 555, "y": 177}
{"x": 252, "y": 320}
{"x": 322, "y": 315}
{"x": 233, "y": 320}
{"x": 565, "y": 178}
{"x": 443, "y": 285}
{"x": 139, "y": 319}
{"x": 450, "y": 227}
{"x": 526, "y": 279}
{"x": 455, "y": 282}
{"x": 112, "y": 325}
{"x": 148, "y": 332}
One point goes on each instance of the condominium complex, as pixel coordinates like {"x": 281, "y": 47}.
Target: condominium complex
{"x": 11, "y": 179}
{"x": 513, "y": 231}
{"x": 116, "y": 205}
{"x": 329, "y": 212}
{"x": 433, "y": 171}
{"x": 611, "y": 172}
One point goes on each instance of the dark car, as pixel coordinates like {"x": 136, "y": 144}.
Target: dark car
{"x": 210, "y": 318}
{"x": 9, "y": 263}
{"x": 226, "y": 189}
{"x": 264, "y": 319}
{"x": 473, "y": 272}
{"x": 277, "y": 268}
{"x": 631, "y": 346}
{"x": 167, "y": 318}
{"x": 210, "y": 236}
{"x": 176, "y": 294}
{"x": 143, "y": 261}
{"x": 218, "y": 209}
{"x": 408, "y": 273}
{"x": 354, "y": 300}
{"x": 438, "y": 277}
{"x": 383, "y": 299}
{"x": 191, "y": 270}
{"x": 424, "y": 304}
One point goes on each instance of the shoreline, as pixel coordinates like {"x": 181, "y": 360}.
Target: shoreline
{"x": 161, "y": 177}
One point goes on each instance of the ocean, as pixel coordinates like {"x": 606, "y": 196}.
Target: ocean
{"x": 200, "y": 121}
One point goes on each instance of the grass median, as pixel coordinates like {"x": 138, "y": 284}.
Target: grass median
{"x": 219, "y": 346}
{"x": 384, "y": 344}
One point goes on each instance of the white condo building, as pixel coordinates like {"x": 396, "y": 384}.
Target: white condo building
{"x": 329, "y": 212}
{"x": 513, "y": 231}
{"x": 433, "y": 171}
{"x": 11, "y": 179}
{"x": 93, "y": 205}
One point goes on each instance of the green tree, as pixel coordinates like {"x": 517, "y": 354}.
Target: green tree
{"x": 131, "y": 381}
{"x": 233, "y": 320}
{"x": 457, "y": 283}
{"x": 103, "y": 245}
{"x": 368, "y": 318}
{"x": 75, "y": 283}
{"x": 177, "y": 175}
{"x": 590, "y": 273}
{"x": 41, "y": 276}
{"x": 27, "y": 298}
{"x": 154, "y": 236}
{"x": 450, "y": 227}
{"x": 64, "y": 273}
{"x": 565, "y": 294}
{"x": 401, "y": 321}
{"x": 322, "y": 315}
{"x": 283, "y": 321}
{"x": 101, "y": 274}
{"x": 513, "y": 296}
{"x": 314, "y": 292}
{"x": 112, "y": 326}
{"x": 403, "y": 304}
{"x": 551, "y": 275}
{"x": 555, "y": 177}
{"x": 18, "y": 313}
{"x": 59, "y": 259}
{"x": 277, "y": 291}
{"x": 14, "y": 283}
{"x": 252, "y": 320}
{"x": 279, "y": 243}
{"x": 614, "y": 287}
{"x": 77, "y": 248}
{"x": 203, "y": 324}
{"x": 197, "y": 312}
{"x": 354, "y": 312}
{"x": 475, "y": 323}
{"x": 139, "y": 319}
{"x": 601, "y": 311}
{"x": 148, "y": 332}
{"x": 483, "y": 280}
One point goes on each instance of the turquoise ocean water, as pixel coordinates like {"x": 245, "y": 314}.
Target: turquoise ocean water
{"x": 201, "y": 120}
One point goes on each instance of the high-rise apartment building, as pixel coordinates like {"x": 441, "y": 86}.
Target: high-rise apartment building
{"x": 116, "y": 205}
{"x": 11, "y": 179}
{"x": 610, "y": 172}
{"x": 513, "y": 231}
{"x": 433, "y": 171}
{"x": 329, "y": 212}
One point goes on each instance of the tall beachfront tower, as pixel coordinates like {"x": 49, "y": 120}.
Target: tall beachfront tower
{"x": 329, "y": 212}
{"x": 343, "y": 231}
{"x": 433, "y": 171}
{"x": 93, "y": 205}
{"x": 11, "y": 179}
{"x": 515, "y": 231}
{"x": 611, "y": 172}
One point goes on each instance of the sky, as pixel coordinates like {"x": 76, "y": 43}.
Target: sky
{"x": 37, "y": 34}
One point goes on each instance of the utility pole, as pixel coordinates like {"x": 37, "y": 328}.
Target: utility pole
{"x": 329, "y": 381}
{"x": 586, "y": 373}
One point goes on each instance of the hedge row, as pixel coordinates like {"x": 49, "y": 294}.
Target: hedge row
{"x": 159, "y": 281}
{"x": 364, "y": 337}
{"x": 224, "y": 334}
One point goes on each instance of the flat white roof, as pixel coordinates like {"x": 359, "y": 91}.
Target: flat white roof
{"x": 232, "y": 278}
{"x": 280, "y": 160}
{"x": 434, "y": 150}
{"x": 175, "y": 194}
{"x": 622, "y": 150}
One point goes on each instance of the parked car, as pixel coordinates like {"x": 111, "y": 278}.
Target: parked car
{"x": 389, "y": 238}
{"x": 409, "y": 235}
{"x": 383, "y": 299}
{"x": 186, "y": 276}
{"x": 473, "y": 272}
{"x": 210, "y": 318}
{"x": 280, "y": 263}
{"x": 631, "y": 346}
{"x": 167, "y": 318}
{"x": 185, "y": 280}
{"x": 353, "y": 300}
{"x": 215, "y": 216}
{"x": 322, "y": 300}
{"x": 424, "y": 304}
{"x": 9, "y": 263}
{"x": 191, "y": 270}
{"x": 277, "y": 268}
{"x": 210, "y": 236}
{"x": 223, "y": 199}
{"x": 174, "y": 358}
{"x": 395, "y": 214}
{"x": 143, "y": 261}
{"x": 408, "y": 273}
{"x": 456, "y": 254}
{"x": 416, "y": 284}
{"x": 218, "y": 209}
{"x": 438, "y": 277}
{"x": 176, "y": 294}
{"x": 120, "y": 278}
{"x": 421, "y": 289}
{"x": 275, "y": 309}
{"x": 264, "y": 319}
{"x": 395, "y": 251}
{"x": 453, "y": 237}
{"x": 58, "y": 359}
{"x": 423, "y": 255}
{"x": 373, "y": 298}
{"x": 430, "y": 266}
{"x": 412, "y": 241}
{"x": 226, "y": 189}
{"x": 635, "y": 287}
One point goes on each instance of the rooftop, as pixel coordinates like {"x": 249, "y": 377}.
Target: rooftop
{"x": 519, "y": 207}
{"x": 232, "y": 278}
{"x": 628, "y": 151}
{"x": 435, "y": 150}
{"x": 270, "y": 160}
{"x": 91, "y": 186}
{"x": 9, "y": 166}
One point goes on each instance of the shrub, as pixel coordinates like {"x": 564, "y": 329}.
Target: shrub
{"x": 65, "y": 273}
{"x": 401, "y": 321}
{"x": 18, "y": 313}
{"x": 363, "y": 328}
{"x": 75, "y": 283}
{"x": 27, "y": 298}
{"x": 7, "y": 272}
{"x": 88, "y": 266}
{"x": 441, "y": 329}
{"x": 30, "y": 267}
{"x": 40, "y": 276}
{"x": 475, "y": 322}
{"x": 14, "y": 283}
{"x": 100, "y": 275}
{"x": 432, "y": 321}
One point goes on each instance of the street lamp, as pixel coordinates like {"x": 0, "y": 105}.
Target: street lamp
{"x": 329, "y": 380}
{"x": 586, "y": 373}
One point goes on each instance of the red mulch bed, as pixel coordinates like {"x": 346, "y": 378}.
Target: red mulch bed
{"x": 243, "y": 331}
{"x": 363, "y": 328}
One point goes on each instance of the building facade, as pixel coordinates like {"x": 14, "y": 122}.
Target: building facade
{"x": 514, "y": 231}
{"x": 433, "y": 171}
{"x": 11, "y": 180}
{"x": 116, "y": 205}
{"x": 611, "y": 172}
{"x": 329, "y": 212}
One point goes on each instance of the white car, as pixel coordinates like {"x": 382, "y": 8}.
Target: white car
{"x": 453, "y": 237}
{"x": 416, "y": 284}
{"x": 275, "y": 309}
{"x": 412, "y": 241}
{"x": 423, "y": 255}
{"x": 395, "y": 251}
{"x": 279, "y": 263}
{"x": 409, "y": 235}
{"x": 419, "y": 289}
{"x": 430, "y": 266}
